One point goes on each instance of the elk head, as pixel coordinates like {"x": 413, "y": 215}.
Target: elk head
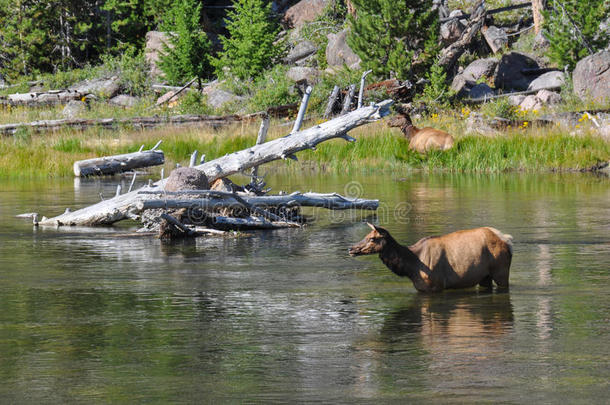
{"x": 403, "y": 121}
{"x": 372, "y": 243}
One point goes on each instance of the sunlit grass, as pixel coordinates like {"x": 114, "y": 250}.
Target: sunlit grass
{"x": 26, "y": 155}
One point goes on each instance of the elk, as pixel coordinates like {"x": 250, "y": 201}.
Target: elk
{"x": 421, "y": 140}
{"x": 461, "y": 259}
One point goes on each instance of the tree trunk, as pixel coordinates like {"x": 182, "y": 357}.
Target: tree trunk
{"x": 118, "y": 163}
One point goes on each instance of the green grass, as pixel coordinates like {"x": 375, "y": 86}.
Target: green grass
{"x": 27, "y": 155}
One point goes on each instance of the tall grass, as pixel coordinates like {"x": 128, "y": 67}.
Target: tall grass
{"x": 27, "y": 155}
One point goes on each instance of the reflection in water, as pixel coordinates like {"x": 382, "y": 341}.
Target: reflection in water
{"x": 287, "y": 316}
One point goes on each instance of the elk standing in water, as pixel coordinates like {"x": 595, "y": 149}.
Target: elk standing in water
{"x": 460, "y": 259}
{"x": 421, "y": 140}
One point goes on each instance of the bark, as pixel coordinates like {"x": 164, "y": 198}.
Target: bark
{"x": 449, "y": 56}
{"x": 331, "y": 102}
{"x": 121, "y": 207}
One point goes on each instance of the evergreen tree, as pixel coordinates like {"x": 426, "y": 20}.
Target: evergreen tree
{"x": 188, "y": 53}
{"x": 567, "y": 45}
{"x": 394, "y": 37}
{"x": 249, "y": 48}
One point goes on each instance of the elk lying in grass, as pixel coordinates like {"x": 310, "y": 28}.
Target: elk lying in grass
{"x": 421, "y": 140}
{"x": 460, "y": 259}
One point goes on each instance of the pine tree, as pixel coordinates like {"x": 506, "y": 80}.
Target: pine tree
{"x": 393, "y": 37}
{"x": 249, "y": 48}
{"x": 188, "y": 53}
{"x": 567, "y": 45}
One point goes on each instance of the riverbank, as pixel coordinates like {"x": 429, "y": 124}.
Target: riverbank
{"x": 28, "y": 155}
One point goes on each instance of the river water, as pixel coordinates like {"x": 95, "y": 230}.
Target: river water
{"x": 287, "y": 316}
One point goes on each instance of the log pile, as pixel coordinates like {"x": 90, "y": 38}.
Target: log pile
{"x": 190, "y": 211}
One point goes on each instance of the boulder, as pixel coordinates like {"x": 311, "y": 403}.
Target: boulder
{"x": 549, "y": 97}
{"x": 530, "y": 103}
{"x": 304, "y": 11}
{"x": 300, "y": 73}
{"x": 104, "y": 87}
{"x": 508, "y": 74}
{"x": 124, "y": 100}
{"x": 496, "y": 38}
{"x": 73, "y": 109}
{"x": 301, "y": 50}
{"x": 481, "y": 90}
{"x": 479, "y": 69}
{"x": 338, "y": 53}
{"x": 541, "y": 41}
{"x": 461, "y": 86}
{"x": 591, "y": 77}
{"x": 218, "y": 98}
{"x": 451, "y": 31}
{"x": 154, "y": 47}
{"x": 186, "y": 178}
{"x": 548, "y": 80}
{"x": 516, "y": 100}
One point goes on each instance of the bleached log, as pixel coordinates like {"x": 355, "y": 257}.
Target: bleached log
{"x": 361, "y": 92}
{"x": 110, "y": 211}
{"x": 260, "y": 139}
{"x": 50, "y": 97}
{"x": 302, "y": 109}
{"x": 217, "y": 199}
{"x": 119, "y": 163}
{"x": 449, "y": 55}
{"x": 331, "y": 102}
{"x": 251, "y": 223}
{"x": 348, "y": 99}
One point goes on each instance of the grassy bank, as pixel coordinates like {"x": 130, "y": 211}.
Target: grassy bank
{"x": 26, "y": 155}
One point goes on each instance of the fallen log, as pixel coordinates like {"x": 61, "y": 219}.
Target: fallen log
{"x": 515, "y": 93}
{"x": 50, "y": 97}
{"x": 218, "y": 199}
{"x": 449, "y": 55}
{"x": 118, "y": 163}
{"x": 250, "y": 223}
{"x": 119, "y": 208}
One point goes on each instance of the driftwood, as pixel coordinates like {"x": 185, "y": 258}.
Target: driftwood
{"x": 302, "y": 109}
{"x": 119, "y": 163}
{"x": 347, "y": 103}
{"x": 331, "y": 102}
{"x": 250, "y": 223}
{"x": 218, "y": 199}
{"x": 449, "y": 55}
{"x": 176, "y": 92}
{"x": 362, "y": 83}
{"x": 110, "y": 211}
{"x": 146, "y": 122}
{"x": 50, "y": 97}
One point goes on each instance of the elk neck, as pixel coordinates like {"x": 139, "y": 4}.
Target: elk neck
{"x": 398, "y": 258}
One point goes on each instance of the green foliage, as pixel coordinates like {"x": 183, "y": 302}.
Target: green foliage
{"x": 133, "y": 71}
{"x": 194, "y": 103}
{"x": 331, "y": 20}
{"x": 394, "y": 38}
{"x": 436, "y": 91}
{"x": 249, "y": 48}
{"x": 499, "y": 108}
{"x": 188, "y": 53}
{"x": 272, "y": 89}
{"x": 567, "y": 46}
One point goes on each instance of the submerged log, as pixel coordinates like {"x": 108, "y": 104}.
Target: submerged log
{"x": 119, "y": 208}
{"x": 119, "y": 163}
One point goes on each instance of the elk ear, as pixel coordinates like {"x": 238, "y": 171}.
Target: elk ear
{"x": 381, "y": 230}
{"x": 373, "y": 227}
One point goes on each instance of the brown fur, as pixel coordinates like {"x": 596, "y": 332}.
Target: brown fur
{"x": 460, "y": 259}
{"x": 424, "y": 139}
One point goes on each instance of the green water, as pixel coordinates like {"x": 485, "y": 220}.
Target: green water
{"x": 288, "y": 316}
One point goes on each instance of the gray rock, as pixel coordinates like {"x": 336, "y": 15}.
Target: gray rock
{"x": 549, "y": 97}
{"x": 461, "y": 86}
{"x": 547, "y": 80}
{"x": 154, "y": 47}
{"x": 186, "y": 178}
{"x": 479, "y": 69}
{"x": 481, "y": 90}
{"x": 456, "y": 13}
{"x": 299, "y": 73}
{"x": 451, "y": 31}
{"x": 300, "y": 51}
{"x": 73, "y": 109}
{"x": 217, "y": 98}
{"x": 530, "y": 103}
{"x": 104, "y": 87}
{"x": 338, "y": 53}
{"x": 541, "y": 42}
{"x": 496, "y": 38}
{"x": 303, "y": 12}
{"x": 124, "y": 100}
{"x": 508, "y": 73}
{"x": 592, "y": 77}
{"x": 516, "y": 100}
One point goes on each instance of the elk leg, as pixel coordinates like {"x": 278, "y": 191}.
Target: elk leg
{"x": 486, "y": 282}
